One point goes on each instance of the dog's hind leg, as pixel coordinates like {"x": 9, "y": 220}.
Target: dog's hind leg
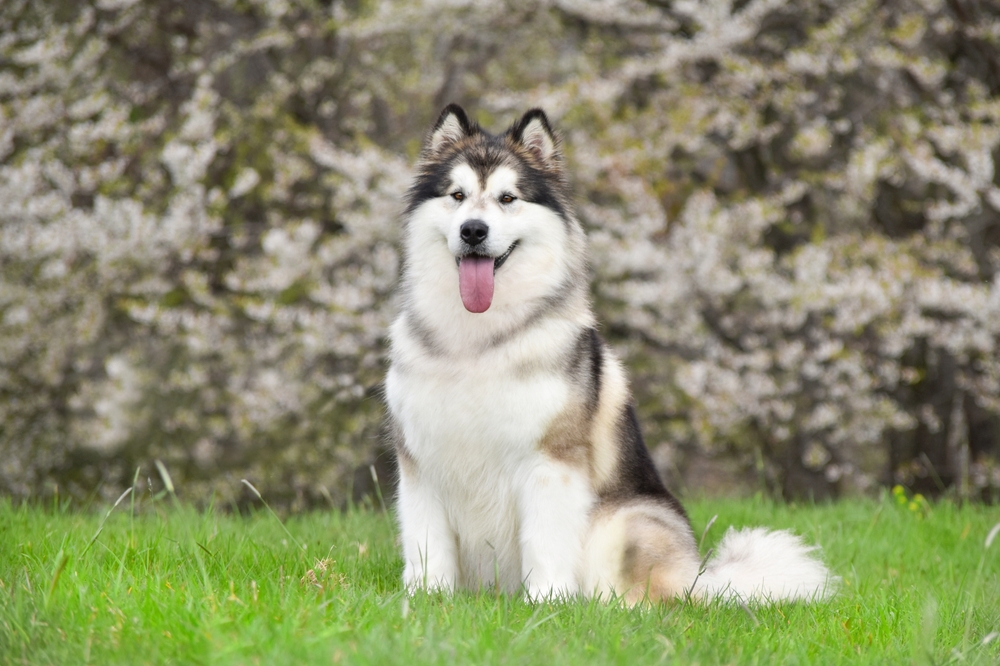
{"x": 639, "y": 551}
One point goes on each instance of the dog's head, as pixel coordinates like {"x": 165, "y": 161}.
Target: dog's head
{"x": 494, "y": 207}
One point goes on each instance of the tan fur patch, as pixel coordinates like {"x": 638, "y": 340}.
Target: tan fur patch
{"x": 656, "y": 563}
{"x": 582, "y": 438}
{"x": 604, "y": 430}
{"x": 568, "y": 437}
{"x": 642, "y": 552}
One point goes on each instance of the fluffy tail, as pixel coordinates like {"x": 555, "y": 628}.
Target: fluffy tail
{"x": 757, "y": 564}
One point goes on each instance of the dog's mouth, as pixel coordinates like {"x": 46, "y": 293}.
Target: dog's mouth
{"x": 475, "y": 278}
{"x": 497, "y": 261}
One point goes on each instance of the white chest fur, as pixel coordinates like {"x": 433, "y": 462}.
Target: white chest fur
{"x": 472, "y": 424}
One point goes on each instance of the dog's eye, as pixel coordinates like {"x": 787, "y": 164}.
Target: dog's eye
{"x": 507, "y": 198}
{"x": 457, "y": 196}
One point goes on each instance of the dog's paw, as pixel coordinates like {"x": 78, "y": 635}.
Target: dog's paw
{"x": 415, "y": 580}
{"x": 538, "y": 593}
{"x": 429, "y": 586}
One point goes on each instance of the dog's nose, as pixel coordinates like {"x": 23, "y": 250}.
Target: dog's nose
{"x": 474, "y": 232}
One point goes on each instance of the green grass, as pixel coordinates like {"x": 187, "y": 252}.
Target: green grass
{"x": 167, "y": 584}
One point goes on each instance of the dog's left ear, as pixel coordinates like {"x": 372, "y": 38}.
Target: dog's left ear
{"x": 534, "y": 133}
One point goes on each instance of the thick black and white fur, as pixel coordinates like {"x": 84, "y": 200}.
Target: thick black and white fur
{"x": 521, "y": 461}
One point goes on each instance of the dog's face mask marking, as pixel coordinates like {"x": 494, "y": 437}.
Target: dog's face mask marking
{"x": 485, "y": 222}
{"x": 492, "y": 208}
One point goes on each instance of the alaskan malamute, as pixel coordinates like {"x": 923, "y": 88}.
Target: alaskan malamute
{"x": 520, "y": 458}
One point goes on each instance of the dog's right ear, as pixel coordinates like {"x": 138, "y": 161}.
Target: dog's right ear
{"x": 451, "y": 127}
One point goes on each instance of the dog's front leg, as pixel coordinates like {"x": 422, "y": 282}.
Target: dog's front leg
{"x": 555, "y": 503}
{"x": 429, "y": 544}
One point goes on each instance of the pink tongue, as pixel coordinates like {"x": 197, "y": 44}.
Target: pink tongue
{"x": 475, "y": 282}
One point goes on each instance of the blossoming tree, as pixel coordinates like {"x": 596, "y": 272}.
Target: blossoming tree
{"x": 793, "y": 211}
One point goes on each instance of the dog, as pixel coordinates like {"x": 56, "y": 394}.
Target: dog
{"x": 521, "y": 462}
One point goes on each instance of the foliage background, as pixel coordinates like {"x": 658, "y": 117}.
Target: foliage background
{"x": 793, "y": 208}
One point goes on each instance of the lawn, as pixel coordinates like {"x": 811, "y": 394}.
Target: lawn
{"x": 162, "y": 583}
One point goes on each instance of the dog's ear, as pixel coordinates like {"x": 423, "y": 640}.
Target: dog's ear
{"x": 534, "y": 133}
{"x": 451, "y": 127}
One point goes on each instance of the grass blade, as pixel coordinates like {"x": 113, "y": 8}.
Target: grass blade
{"x": 105, "y": 519}
{"x": 268, "y": 507}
